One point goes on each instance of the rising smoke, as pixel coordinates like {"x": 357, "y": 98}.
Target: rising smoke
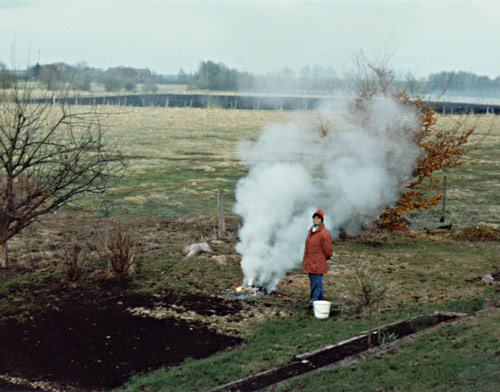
{"x": 352, "y": 172}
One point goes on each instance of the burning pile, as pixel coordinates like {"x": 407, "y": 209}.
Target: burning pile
{"x": 243, "y": 292}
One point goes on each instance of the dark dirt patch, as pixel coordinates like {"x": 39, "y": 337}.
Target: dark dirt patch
{"x": 9, "y": 386}
{"x": 100, "y": 344}
{"x": 207, "y": 306}
{"x": 203, "y": 305}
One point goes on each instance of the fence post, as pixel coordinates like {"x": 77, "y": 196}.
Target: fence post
{"x": 444, "y": 200}
{"x": 222, "y": 222}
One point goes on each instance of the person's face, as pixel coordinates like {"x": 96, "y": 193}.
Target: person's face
{"x": 317, "y": 220}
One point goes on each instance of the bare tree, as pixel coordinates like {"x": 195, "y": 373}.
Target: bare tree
{"x": 371, "y": 77}
{"x": 366, "y": 290}
{"x": 49, "y": 153}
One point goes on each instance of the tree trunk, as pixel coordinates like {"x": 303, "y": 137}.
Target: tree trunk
{"x": 4, "y": 256}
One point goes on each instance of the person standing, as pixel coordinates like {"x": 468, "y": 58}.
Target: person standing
{"x": 317, "y": 251}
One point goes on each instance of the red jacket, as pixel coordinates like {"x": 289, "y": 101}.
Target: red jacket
{"x": 318, "y": 248}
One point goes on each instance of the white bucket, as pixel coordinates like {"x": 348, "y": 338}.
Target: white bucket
{"x": 321, "y": 309}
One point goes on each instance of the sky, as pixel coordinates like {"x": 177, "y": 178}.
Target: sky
{"x": 259, "y": 36}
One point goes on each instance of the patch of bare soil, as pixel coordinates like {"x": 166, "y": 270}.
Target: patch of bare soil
{"x": 91, "y": 345}
{"x": 10, "y": 386}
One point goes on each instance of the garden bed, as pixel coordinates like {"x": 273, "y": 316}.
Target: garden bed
{"x": 100, "y": 345}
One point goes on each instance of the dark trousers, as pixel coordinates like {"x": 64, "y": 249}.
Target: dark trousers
{"x": 316, "y": 284}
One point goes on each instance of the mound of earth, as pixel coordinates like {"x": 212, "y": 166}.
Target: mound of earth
{"x": 99, "y": 345}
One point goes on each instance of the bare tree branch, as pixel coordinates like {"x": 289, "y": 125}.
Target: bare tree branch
{"x": 49, "y": 154}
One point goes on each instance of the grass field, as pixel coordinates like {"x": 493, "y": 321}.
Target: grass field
{"x": 179, "y": 158}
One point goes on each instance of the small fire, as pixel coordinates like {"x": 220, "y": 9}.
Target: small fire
{"x": 244, "y": 292}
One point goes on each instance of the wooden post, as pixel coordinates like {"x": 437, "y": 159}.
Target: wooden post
{"x": 222, "y": 222}
{"x": 444, "y": 200}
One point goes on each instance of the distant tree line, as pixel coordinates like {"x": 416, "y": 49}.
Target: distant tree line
{"x": 82, "y": 77}
{"x": 214, "y": 76}
{"x": 219, "y": 77}
{"x": 320, "y": 80}
{"x": 465, "y": 83}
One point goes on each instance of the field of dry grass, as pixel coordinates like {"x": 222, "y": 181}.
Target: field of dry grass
{"x": 473, "y": 189}
{"x": 180, "y": 157}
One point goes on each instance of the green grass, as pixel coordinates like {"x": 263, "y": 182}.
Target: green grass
{"x": 24, "y": 293}
{"x": 459, "y": 357}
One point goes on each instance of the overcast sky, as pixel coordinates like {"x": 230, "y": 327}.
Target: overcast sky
{"x": 259, "y": 36}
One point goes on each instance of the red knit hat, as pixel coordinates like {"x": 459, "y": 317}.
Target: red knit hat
{"x": 320, "y": 213}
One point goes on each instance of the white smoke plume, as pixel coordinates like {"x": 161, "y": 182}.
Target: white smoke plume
{"x": 351, "y": 173}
